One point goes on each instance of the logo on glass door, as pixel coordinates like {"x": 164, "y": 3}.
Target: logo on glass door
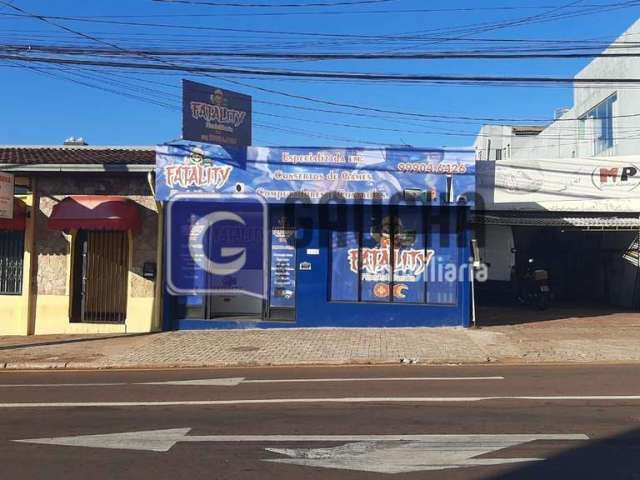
{"x": 216, "y": 244}
{"x": 237, "y": 255}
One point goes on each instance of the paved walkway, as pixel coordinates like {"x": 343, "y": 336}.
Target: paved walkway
{"x": 599, "y": 338}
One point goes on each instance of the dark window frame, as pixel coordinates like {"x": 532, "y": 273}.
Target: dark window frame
{"x": 12, "y": 247}
{"x": 393, "y": 211}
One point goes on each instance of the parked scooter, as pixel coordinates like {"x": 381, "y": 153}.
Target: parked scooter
{"x": 534, "y": 287}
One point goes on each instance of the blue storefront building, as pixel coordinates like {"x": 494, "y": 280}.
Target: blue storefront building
{"x": 266, "y": 237}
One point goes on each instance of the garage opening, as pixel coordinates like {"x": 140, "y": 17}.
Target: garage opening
{"x": 592, "y": 263}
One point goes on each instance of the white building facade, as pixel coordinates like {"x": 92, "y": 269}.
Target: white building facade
{"x": 603, "y": 121}
{"x": 569, "y": 191}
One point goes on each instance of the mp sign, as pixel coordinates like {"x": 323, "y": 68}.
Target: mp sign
{"x": 621, "y": 177}
{"x": 215, "y": 115}
{"x": 216, "y": 243}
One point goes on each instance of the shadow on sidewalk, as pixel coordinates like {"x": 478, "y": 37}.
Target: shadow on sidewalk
{"x": 614, "y": 457}
{"x": 496, "y": 314}
{"x": 73, "y": 340}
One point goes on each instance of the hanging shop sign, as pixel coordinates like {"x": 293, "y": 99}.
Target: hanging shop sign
{"x": 6, "y": 195}
{"x": 215, "y": 115}
{"x": 318, "y": 175}
{"x": 217, "y": 244}
{"x": 601, "y": 184}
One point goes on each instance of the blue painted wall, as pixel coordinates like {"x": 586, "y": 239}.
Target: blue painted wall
{"x": 313, "y": 305}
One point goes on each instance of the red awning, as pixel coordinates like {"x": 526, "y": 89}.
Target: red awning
{"x": 18, "y": 222}
{"x": 95, "y": 212}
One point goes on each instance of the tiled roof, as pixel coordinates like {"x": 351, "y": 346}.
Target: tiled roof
{"x": 76, "y": 155}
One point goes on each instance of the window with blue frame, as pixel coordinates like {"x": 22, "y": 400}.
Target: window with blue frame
{"x": 399, "y": 254}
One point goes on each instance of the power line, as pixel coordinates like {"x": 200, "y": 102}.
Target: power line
{"x": 376, "y": 77}
{"x": 311, "y": 99}
{"x": 339, "y": 3}
{"x": 369, "y": 127}
{"x": 446, "y": 55}
{"x": 350, "y": 36}
{"x": 299, "y": 11}
{"x": 176, "y": 107}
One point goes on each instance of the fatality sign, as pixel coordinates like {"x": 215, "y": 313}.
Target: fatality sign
{"x": 215, "y": 115}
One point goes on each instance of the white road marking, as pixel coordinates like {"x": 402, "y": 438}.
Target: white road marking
{"x": 368, "y": 453}
{"x": 41, "y": 385}
{"x": 207, "y": 382}
{"x": 377, "y": 379}
{"x": 267, "y": 401}
{"x": 234, "y": 381}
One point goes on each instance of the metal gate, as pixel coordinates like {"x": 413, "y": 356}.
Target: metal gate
{"x": 100, "y": 277}
{"x": 11, "y": 261}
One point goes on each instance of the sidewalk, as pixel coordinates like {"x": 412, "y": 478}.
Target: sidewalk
{"x": 609, "y": 338}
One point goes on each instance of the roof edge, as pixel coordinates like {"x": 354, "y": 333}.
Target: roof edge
{"x": 80, "y": 147}
{"x": 89, "y": 168}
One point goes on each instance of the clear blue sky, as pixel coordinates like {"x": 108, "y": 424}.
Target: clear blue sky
{"x": 41, "y": 107}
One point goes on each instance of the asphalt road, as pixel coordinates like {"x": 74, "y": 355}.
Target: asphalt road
{"x": 490, "y": 422}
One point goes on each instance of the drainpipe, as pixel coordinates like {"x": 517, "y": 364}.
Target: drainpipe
{"x": 157, "y": 295}
{"x": 32, "y": 292}
{"x": 475, "y": 263}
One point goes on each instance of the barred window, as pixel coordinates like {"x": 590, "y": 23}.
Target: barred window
{"x": 11, "y": 261}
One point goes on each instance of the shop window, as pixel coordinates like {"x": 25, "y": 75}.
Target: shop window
{"x": 444, "y": 272}
{"x": 11, "y": 261}
{"x": 281, "y": 282}
{"x": 387, "y": 254}
{"x": 346, "y": 238}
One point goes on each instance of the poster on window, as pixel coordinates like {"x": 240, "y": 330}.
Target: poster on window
{"x": 375, "y": 255}
{"x": 388, "y": 263}
{"x": 283, "y": 264}
{"x": 410, "y": 257}
{"x": 345, "y": 262}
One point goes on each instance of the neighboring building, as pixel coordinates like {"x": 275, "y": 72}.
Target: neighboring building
{"x": 80, "y": 254}
{"x": 497, "y": 142}
{"x": 603, "y": 121}
{"x": 565, "y": 193}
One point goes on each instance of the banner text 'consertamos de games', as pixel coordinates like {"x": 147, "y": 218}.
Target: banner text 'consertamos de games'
{"x": 318, "y": 175}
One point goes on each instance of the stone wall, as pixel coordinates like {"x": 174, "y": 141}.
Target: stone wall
{"x": 53, "y": 247}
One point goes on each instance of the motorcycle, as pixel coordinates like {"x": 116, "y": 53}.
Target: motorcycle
{"x": 534, "y": 287}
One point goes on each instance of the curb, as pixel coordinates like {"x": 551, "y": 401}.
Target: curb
{"x": 35, "y": 366}
{"x": 60, "y": 366}
{"x": 160, "y": 366}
